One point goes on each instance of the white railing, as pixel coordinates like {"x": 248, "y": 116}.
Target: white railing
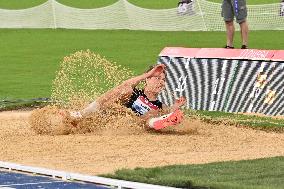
{"x": 80, "y": 177}
{"x": 202, "y": 16}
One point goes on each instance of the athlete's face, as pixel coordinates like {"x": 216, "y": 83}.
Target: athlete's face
{"x": 156, "y": 84}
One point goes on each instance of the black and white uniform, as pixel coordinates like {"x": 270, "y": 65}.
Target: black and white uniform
{"x": 140, "y": 104}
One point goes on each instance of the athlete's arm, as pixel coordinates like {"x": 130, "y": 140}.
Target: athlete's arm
{"x": 151, "y": 114}
{"x": 177, "y": 104}
{"x": 156, "y": 71}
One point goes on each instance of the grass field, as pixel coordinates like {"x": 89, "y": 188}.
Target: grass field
{"x": 238, "y": 119}
{"x": 251, "y": 174}
{"x": 29, "y": 58}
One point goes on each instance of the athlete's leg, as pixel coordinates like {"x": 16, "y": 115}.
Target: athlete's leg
{"x": 116, "y": 94}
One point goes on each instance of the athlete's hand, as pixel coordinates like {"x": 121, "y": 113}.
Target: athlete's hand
{"x": 157, "y": 70}
{"x": 179, "y": 102}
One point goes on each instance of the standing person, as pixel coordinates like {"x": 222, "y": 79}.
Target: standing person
{"x": 143, "y": 102}
{"x": 237, "y": 9}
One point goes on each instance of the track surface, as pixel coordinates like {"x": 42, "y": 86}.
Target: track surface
{"x": 11, "y": 180}
{"x": 105, "y": 152}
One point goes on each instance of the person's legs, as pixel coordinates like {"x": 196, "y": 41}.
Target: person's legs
{"x": 118, "y": 93}
{"x": 230, "y": 31}
{"x": 228, "y": 15}
{"x": 105, "y": 100}
{"x": 244, "y": 34}
{"x": 92, "y": 107}
{"x": 241, "y": 18}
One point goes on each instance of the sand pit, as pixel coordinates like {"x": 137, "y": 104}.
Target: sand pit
{"x": 115, "y": 148}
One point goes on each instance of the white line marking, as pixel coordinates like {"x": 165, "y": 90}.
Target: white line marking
{"x": 34, "y": 183}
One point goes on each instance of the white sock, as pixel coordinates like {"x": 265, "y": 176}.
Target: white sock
{"x": 152, "y": 121}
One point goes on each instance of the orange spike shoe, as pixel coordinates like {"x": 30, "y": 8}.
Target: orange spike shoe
{"x": 167, "y": 120}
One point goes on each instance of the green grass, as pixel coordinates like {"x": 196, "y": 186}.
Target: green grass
{"x": 19, "y": 4}
{"x": 160, "y": 4}
{"x": 29, "y": 57}
{"x": 22, "y": 4}
{"x": 258, "y": 122}
{"x": 87, "y": 4}
{"x": 250, "y": 174}
{"x": 22, "y": 104}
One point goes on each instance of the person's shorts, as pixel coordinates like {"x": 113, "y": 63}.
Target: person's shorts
{"x": 234, "y": 8}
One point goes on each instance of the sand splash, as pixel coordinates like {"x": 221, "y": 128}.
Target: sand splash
{"x": 82, "y": 77}
{"x": 117, "y": 119}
